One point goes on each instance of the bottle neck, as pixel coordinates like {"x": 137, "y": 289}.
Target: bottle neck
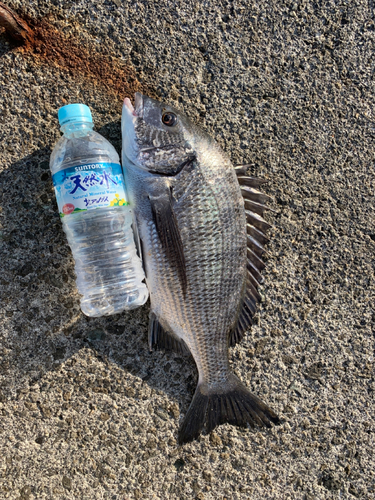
{"x": 76, "y": 129}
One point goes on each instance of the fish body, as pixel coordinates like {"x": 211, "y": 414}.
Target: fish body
{"x": 192, "y": 224}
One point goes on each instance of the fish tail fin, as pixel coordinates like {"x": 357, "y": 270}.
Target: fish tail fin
{"x": 232, "y": 403}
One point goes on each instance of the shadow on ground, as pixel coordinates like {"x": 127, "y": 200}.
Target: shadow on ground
{"x": 44, "y": 326}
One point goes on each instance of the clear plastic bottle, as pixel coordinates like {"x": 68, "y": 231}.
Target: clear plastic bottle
{"x": 91, "y": 197}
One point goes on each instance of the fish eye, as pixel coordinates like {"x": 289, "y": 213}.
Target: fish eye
{"x": 169, "y": 119}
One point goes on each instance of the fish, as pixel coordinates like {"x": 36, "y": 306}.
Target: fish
{"x": 201, "y": 234}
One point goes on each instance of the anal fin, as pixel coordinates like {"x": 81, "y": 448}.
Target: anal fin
{"x": 159, "y": 338}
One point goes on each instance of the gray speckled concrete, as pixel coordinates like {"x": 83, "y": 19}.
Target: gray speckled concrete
{"x": 86, "y": 411}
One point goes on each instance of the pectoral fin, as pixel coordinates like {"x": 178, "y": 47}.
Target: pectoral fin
{"x": 169, "y": 233}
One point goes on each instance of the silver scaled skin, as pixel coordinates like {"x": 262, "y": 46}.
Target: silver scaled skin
{"x": 191, "y": 221}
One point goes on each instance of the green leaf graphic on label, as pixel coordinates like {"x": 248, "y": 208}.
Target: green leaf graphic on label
{"x": 76, "y": 210}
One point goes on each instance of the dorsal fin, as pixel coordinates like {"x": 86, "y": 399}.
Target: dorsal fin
{"x": 254, "y": 182}
{"x": 255, "y": 206}
{"x": 245, "y": 180}
{"x": 252, "y": 194}
{"x": 256, "y": 234}
{"x": 257, "y": 221}
{"x": 241, "y": 169}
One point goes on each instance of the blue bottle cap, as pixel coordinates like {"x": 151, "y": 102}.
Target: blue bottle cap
{"x": 74, "y": 113}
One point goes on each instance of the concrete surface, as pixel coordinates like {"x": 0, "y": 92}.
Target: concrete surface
{"x": 86, "y": 411}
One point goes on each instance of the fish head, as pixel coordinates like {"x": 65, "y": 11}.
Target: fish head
{"x": 156, "y": 137}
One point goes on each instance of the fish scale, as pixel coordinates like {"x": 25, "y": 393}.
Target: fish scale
{"x": 190, "y": 213}
{"x": 200, "y": 311}
{"x": 204, "y": 292}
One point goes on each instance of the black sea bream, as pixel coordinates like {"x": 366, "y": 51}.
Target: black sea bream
{"x": 202, "y": 237}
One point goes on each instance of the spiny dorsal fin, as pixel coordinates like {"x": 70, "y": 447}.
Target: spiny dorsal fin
{"x": 255, "y": 246}
{"x": 159, "y": 338}
{"x": 245, "y": 180}
{"x": 252, "y": 194}
{"x": 241, "y": 169}
{"x": 254, "y": 182}
{"x": 257, "y": 221}
{"x": 256, "y": 234}
{"x": 255, "y": 206}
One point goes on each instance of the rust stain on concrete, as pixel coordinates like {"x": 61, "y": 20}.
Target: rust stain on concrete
{"x": 45, "y": 42}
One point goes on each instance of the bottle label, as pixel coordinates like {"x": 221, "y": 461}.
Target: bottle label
{"x": 84, "y": 187}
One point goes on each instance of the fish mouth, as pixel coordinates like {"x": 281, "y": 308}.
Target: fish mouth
{"x": 137, "y": 109}
{"x": 138, "y": 103}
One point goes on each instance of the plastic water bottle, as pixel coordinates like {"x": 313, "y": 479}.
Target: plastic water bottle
{"x": 96, "y": 217}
